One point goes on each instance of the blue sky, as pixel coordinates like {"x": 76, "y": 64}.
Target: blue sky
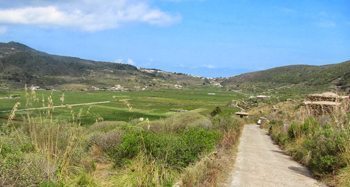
{"x": 202, "y": 37}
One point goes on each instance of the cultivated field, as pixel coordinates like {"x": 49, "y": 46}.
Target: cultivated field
{"x": 118, "y": 106}
{"x": 149, "y": 138}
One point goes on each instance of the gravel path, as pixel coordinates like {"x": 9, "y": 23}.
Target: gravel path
{"x": 261, "y": 163}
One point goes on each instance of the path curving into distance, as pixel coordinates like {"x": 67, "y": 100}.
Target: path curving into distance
{"x": 261, "y": 163}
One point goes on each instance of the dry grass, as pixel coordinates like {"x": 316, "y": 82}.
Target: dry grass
{"x": 178, "y": 122}
{"x": 343, "y": 177}
{"x": 144, "y": 171}
{"x": 53, "y": 150}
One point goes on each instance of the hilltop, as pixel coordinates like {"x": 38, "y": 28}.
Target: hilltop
{"x": 20, "y": 65}
{"x": 334, "y": 76}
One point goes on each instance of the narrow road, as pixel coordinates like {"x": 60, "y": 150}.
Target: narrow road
{"x": 261, "y": 163}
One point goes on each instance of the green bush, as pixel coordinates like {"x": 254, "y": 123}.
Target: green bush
{"x": 11, "y": 144}
{"x": 277, "y": 133}
{"x": 294, "y": 131}
{"x": 225, "y": 123}
{"x": 299, "y": 152}
{"x": 129, "y": 147}
{"x": 216, "y": 111}
{"x": 326, "y": 148}
{"x": 175, "y": 150}
{"x": 310, "y": 127}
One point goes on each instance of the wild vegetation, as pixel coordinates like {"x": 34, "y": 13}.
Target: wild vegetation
{"x": 44, "y": 149}
{"x": 293, "y": 78}
{"x": 321, "y": 143}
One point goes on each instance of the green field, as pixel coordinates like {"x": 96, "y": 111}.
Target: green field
{"x": 122, "y": 106}
{"x": 99, "y": 139}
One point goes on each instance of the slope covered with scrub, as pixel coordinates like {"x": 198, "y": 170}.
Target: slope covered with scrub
{"x": 335, "y": 75}
{"x": 20, "y": 64}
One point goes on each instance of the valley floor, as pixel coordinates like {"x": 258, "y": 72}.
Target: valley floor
{"x": 261, "y": 163}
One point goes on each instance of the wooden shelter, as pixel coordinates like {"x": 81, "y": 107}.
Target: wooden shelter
{"x": 262, "y": 97}
{"x": 242, "y": 114}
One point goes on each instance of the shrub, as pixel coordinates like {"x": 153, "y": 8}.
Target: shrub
{"x": 225, "y": 123}
{"x": 106, "y": 141}
{"x": 278, "y": 133}
{"x": 129, "y": 147}
{"x": 298, "y": 151}
{"x": 326, "y": 148}
{"x": 294, "y": 131}
{"x": 15, "y": 143}
{"x": 216, "y": 111}
{"x": 176, "y": 150}
{"x": 309, "y": 127}
{"x": 25, "y": 170}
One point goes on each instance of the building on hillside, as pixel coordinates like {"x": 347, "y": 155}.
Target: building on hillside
{"x": 117, "y": 87}
{"x": 263, "y": 97}
{"x": 242, "y": 114}
{"x": 33, "y": 88}
{"x": 94, "y": 88}
{"x": 178, "y": 86}
{"x": 326, "y": 103}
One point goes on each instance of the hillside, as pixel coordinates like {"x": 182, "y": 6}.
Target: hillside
{"x": 313, "y": 77}
{"x": 20, "y": 65}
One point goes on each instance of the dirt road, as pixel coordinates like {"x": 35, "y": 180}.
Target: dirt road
{"x": 261, "y": 163}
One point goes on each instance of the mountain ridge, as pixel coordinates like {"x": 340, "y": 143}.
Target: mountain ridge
{"x": 20, "y": 64}
{"x": 331, "y": 76}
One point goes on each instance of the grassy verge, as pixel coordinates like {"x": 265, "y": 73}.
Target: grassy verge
{"x": 321, "y": 143}
{"x": 214, "y": 169}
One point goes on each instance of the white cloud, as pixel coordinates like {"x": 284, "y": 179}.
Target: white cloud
{"x": 327, "y": 24}
{"x": 3, "y": 29}
{"x": 87, "y": 15}
{"x": 130, "y": 61}
{"x": 209, "y": 66}
{"x": 127, "y": 61}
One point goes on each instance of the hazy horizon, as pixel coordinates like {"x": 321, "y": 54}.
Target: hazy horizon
{"x": 198, "y": 37}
